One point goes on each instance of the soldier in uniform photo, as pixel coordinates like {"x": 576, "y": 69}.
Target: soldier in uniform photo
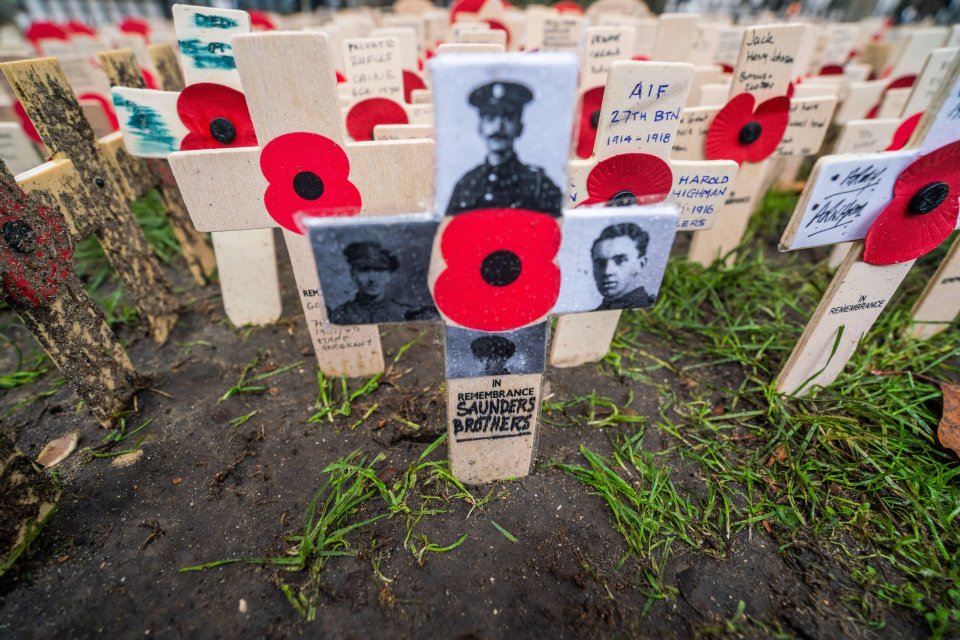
{"x": 493, "y": 352}
{"x": 619, "y": 256}
{"x": 371, "y": 269}
{"x": 503, "y": 181}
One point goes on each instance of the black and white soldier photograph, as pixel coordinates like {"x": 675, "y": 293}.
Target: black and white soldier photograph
{"x": 473, "y": 354}
{"x": 373, "y": 272}
{"x": 614, "y": 260}
{"x": 509, "y": 163}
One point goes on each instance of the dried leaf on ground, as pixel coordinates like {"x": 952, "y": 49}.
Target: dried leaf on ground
{"x": 948, "y": 433}
{"x": 56, "y": 451}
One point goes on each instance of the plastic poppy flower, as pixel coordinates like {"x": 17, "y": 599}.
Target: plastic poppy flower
{"x": 741, "y": 133}
{"x": 44, "y": 30}
{"x": 565, "y": 6}
{"x": 216, "y": 116}
{"x": 366, "y": 114}
{"x": 308, "y": 175}
{"x": 259, "y": 21}
{"x": 629, "y": 178}
{"x": 589, "y": 121}
{"x": 831, "y": 70}
{"x": 468, "y": 6}
{"x": 136, "y": 26}
{"x": 77, "y": 28}
{"x": 411, "y": 83}
{"x": 35, "y": 253}
{"x": 902, "y": 135}
{"x": 923, "y": 211}
{"x": 504, "y": 257}
{"x": 903, "y": 82}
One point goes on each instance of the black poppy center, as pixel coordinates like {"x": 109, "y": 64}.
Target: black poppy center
{"x": 595, "y": 119}
{"x": 622, "y": 199}
{"x": 223, "y": 130}
{"x": 750, "y": 132}
{"x": 928, "y": 198}
{"x": 500, "y": 268}
{"x": 308, "y": 185}
{"x": 18, "y": 235}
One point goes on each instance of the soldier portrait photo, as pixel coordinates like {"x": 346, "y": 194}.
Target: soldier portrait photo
{"x": 502, "y": 156}
{"x": 503, "y": 180}
{"x": 619, "y": 258}
{"x": 373, "y": 275}
{"x": 614, "y": 258}
{"x": 472, "y": 354}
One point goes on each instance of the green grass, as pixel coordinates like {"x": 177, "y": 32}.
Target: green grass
{"x": 854, "y": 468}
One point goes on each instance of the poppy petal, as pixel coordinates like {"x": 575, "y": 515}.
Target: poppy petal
{"x": 366, "y": 114}
{"x": 902, "y": 135}
{"x": 645, "y": 177}
{"x": 411, "y": 83}
{"x": 773, "y": 116}
{"x": 199, "y": 105}
{"x": 723, "y": 136}
{"x": 901, "y": 233}
{"x": 590, "y": 105}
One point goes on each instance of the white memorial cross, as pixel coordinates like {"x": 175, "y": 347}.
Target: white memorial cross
{"x": 153, "y": 126}
{"x": 896, "y": 206}
{"x": 300, "y": 166}
{"x": 495, "y": 259}
{"x": 758, "y": 122}
{"x": 631, "y": 163}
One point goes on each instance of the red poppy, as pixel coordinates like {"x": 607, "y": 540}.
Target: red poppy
{"x": 831, "y": 70}
{"x": 727, "y": 68}
{"x": 902, "y": 135}
{"x": 136, "y": 26}
{"x": 25, "y": 123}
{"x": 640, "y": 58}
{"x": 366, "y": 114}
{"x": 496, "y": 24}
{"x": 565, "y": 6}
{"x": 504, "y": 257}
{"x": 923, "y": 211}
{"x": 260, "y": 21}
{"x": 340, "y": 77}
{"x": 44, "y": 30}
{"x": 149, "y": 80}
{"x": 628, "y": 178}
{"x": 741, "y": 134}
{"x": 105, "y": 106}
{"x": 308, "y": 175}
{"x": 35, "y": 259}
{"x": 589, "y": 121}
{"x": 216, "y": 116}
{"x": 411, "y": 82}
{"x": 75, "y": 27}
{"x": 469, "y": 6}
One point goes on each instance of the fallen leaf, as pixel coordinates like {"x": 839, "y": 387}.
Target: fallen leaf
{"x": 273, "y": 391}
{"x": 948, "y": 433}
{"x": 177, "y": 480}
{"x": 127, "y": 459}
{"x": 779, "y": 456}
{"x": 56, "y": 451}
{"x": 766, "y": 526}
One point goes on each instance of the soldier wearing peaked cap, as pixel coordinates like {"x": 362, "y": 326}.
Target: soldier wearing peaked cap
{"x": 502, "y": 181}
{"x": 493, "y": 353}
{"x": 371, "y": 269}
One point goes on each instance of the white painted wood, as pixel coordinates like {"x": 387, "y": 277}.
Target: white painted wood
{"x": 939, "y": 304}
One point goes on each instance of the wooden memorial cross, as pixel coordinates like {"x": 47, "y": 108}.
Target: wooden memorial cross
{"x": 495, "y": 260}
{"x": 141, "y": 175}
{"x": 40, "y": 284}
{"x": 300, "y": 168}
{"x": 602, "y": 47}
{"x": 96, "y": 196}
{"x": 896, "y": 206}
{"x": 375, "y": 79}
{"x": 631, "y": 163}
{"x": 758, "y": 121}
{"x": 157, "y": 123}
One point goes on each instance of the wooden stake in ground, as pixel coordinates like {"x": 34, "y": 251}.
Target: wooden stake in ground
{"x": 758, "y": 122}
{"x": 897, "y": 206}
{"x": 29, "y": 498}
{"x": 211, "y": 113}
{"x": 297, "y": 171}
{"x": 40, "y": 284}
{"x": 142, "y": 175}
{"x": 495, "y": 259}
{"x": 638, "y": 120}
{"x": 95, "y": 197}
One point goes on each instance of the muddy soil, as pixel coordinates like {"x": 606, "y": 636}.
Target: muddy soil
{"x": 203, "y": 490}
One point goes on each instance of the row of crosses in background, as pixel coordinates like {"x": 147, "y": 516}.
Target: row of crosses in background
{"x": 495, "y": 259}
{"x": 894, "y": 207}
{"x": 209, "y": 113}
{"x": 758, "y": 123}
